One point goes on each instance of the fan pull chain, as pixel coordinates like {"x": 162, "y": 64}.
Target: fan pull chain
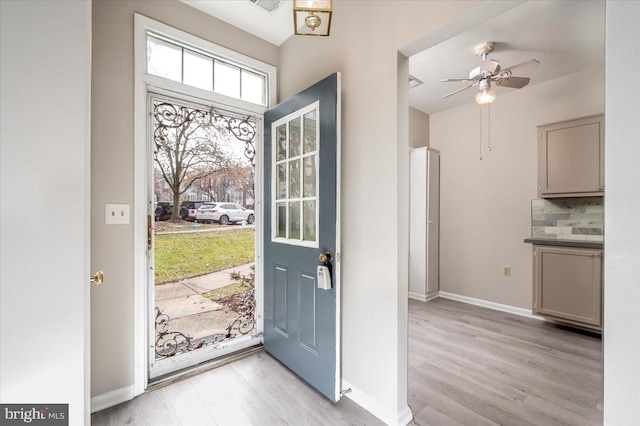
{"x": 480, "y": 150}
{"x": 489, "y": 126}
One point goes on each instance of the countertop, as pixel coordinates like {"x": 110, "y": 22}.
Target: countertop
{"x": 565, "y": 243}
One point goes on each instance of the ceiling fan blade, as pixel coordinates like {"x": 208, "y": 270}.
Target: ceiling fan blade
{"x": 490, "y": 66}
{"x": 525, "y": 66}
{"x": 515, "y": 82}
{"x": 446, "y": 80}
{"x": 460, "y": 90}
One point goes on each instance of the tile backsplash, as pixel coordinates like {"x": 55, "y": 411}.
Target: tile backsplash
{"x": 579, "y": 219}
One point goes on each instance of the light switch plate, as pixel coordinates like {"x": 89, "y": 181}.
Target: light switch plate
{"x": 116, "y": 214}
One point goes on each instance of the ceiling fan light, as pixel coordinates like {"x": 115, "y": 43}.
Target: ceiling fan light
{"x": 486, "y": 94}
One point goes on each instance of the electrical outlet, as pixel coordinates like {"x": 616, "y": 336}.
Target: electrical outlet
{"x": 116, "y": 214}
{"x": 506, "y": 271}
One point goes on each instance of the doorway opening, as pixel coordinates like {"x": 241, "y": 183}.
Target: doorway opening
{"x": 201, "y": 248}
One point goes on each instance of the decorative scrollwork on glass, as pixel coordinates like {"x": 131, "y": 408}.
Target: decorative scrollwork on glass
{"x": 242, "y": 128}
{"x": 245, "y": 322}
{"x": 172, "y": 116}
{"x": 169, "y": 343}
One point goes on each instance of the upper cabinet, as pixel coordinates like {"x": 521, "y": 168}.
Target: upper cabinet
{"x": 571, "y": 158}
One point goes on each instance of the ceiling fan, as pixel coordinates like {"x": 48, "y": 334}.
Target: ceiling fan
{"x": 488, "y": 71}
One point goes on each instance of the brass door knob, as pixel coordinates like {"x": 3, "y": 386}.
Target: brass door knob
{"x": 98, "y": 278}
{"x": 325, "y": 257}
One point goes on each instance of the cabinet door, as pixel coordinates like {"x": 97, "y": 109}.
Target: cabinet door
{"x": 568, "y": 284}
{"x": 571, "y": 158}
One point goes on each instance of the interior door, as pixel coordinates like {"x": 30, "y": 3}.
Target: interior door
{"x": 301, "y": 163}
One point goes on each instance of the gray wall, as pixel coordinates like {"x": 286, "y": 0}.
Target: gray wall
{"x": 485, "y": 205}
{"x": 364, "y": 46}
{"x": 112, "y": 167}
{"x": 418, "y": 128}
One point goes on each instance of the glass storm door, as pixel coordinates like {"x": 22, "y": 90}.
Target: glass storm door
{"x": 301, "y": 163}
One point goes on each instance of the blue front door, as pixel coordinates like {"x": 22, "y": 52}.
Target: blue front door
{"x": 301, "y": 320}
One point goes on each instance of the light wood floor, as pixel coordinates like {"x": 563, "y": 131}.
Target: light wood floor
{"x": 256, "y": 390}
{"x": 467, "y": 366}
{"x": 473, "y": 366}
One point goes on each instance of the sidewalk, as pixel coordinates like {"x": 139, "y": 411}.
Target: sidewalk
{"x": 189, "y": 311}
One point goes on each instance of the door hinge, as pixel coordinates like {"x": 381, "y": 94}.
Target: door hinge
{"x": 338, "y": 257}
{"x": 149, "y": 232}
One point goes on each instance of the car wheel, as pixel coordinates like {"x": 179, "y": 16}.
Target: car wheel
{"x": 250, "y": 219}
{"x": 224, "y": 220}
{"x": 184, "y": 213}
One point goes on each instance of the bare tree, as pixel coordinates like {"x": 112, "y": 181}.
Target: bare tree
{"x": 188, "y": 147}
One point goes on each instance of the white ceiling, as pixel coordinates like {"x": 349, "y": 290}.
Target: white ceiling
{"x": 565, "y": 36}
{"x": 275, "y": 27}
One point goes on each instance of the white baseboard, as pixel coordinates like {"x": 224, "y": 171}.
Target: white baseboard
{"x": 365, "y": 401}
{"x": 421, "y": 297}
{"x": 417, "y": 296}
{"x": 112, "y": 398}
{"x": 491, "y": 305}
{"x": 405, "y": 417}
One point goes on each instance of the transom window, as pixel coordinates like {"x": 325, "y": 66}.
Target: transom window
{"x": 295, "y": 144}
{"x": 194, "y": 67}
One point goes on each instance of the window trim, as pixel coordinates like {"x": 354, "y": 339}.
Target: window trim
{"x": 205, "y": 47}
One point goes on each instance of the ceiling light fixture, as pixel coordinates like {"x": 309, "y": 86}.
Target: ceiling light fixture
{"x": 312, "y": 17}
{"x": 486, "y": 94}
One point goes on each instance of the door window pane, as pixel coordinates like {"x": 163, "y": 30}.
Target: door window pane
{"x": 282, "y": 182}
{"x": 198, "y": 70}
{"x": 309, "y": 132}
{"x": 294, "y": 179}
{"x": 294, "y": 220}
{"x": 309, "y": 176}
{"x": 309, "y": 215}
{"x": 227, "y": 79}
{"x": 294, "y": 137}
{"x": 253, "y": 86}
{"x": 281, "y": 134}
{"x": 164, "y": 59}
{"x": 281, "y": 220}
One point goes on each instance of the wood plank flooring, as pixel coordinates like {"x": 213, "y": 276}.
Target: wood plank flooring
{"x": 256, "y": 390}
{"x": 474, "y": 366}
{"x": 467, "y": 366}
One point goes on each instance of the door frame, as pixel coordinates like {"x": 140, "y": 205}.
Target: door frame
{"x": 142, "y": 199}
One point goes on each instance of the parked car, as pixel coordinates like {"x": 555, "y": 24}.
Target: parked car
{"x": 163, "y": 210}
{"x": 189, "y": 209}
{"x": 224, "y": 213}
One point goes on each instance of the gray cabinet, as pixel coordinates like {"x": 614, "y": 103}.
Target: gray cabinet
{"x": 568, "y": 285}
{"x": 424, "y": 219}
{"x": 571, "y": 158}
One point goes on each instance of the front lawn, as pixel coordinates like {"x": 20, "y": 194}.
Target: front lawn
{"x": 180, "y": 256}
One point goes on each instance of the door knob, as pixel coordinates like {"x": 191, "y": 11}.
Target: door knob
{"x": 98, "y": 278}
{"x": 325, "y": 258}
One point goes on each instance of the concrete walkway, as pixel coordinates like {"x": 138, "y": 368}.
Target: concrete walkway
{"x": 189, "y": 311}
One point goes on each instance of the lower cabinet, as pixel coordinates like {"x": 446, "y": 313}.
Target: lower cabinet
{"x": 567, "y": 285}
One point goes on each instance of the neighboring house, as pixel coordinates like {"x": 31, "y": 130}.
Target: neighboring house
{"x": 49, "y": 75}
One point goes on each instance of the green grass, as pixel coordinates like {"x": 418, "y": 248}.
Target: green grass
{"x": 180, "y": 256}
{"x": 227, "y": 291}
